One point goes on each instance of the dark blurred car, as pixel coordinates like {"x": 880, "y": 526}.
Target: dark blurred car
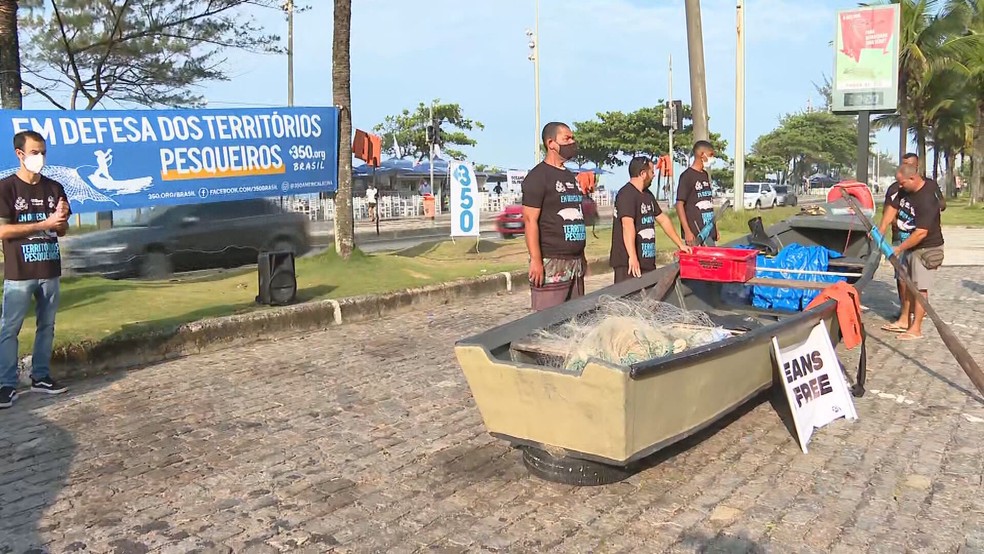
{"x": 509, "y": 222}
{"x": 784, "y": 196}
{"x": 188, "y": 238}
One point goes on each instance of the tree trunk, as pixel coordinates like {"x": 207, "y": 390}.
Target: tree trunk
{"x": 951, "y": 173}
{"x": 921, "y": 149}
{"x": 977, "y": 158}
{"x": 936, "y": 163}
{"x": 10, "y": 77}
{"x": 342, "y": 95}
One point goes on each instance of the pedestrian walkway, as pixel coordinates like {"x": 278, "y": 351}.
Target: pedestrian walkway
{"x": 365, "y": 438}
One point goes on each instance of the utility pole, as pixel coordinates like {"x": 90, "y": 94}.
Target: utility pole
{"x": 534, "y": 57}
{"x": 437, "y": 197}
{"x": 695, "y": 49}
{"x": 670, "y": 106}
{"x": 740, "y": 111}
{"x": 289, "y": 6}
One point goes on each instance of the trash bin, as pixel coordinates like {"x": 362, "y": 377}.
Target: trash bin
{"x": 429, "y": 206}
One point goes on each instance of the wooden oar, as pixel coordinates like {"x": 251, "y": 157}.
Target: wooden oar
{"x": 950, "y": 339}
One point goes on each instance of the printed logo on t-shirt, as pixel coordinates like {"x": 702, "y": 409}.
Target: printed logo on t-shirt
{"x": 906, "y": 220}
{"x": 575, "y": 230}
{"x": 20, "y": 204}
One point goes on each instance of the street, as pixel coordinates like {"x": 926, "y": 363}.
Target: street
{"x": 365, "y": 438}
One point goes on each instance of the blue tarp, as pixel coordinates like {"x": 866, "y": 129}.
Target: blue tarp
{"x": 792, "y": 256}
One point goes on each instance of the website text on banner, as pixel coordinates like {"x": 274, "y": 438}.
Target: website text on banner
{"x": 814, "y": 383}
{"x": 465, "y": 202}
{"x": 114, "y": 160}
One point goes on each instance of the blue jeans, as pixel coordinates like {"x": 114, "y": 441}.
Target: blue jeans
{"x": 17, "y": 297}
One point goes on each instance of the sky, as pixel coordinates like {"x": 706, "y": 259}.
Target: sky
{"x": 596, "y": 56}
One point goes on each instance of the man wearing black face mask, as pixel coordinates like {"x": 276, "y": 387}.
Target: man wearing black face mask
{"x": 554, "y": 222}
{"x": 634, "y": 227}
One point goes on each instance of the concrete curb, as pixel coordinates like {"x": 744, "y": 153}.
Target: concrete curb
{"x": 130, "y": 351}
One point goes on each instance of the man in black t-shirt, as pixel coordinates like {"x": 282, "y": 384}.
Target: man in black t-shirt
{"x": 889, "y": 218}
{"x": 634, "y": 228}
{"x": 695, "y": 199}
{"x": 554, "y": 222}
{"x": 33, "y": 214}
{"x": 916, "y": 209}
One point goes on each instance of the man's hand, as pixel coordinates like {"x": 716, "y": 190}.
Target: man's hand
{"x": 689, "y": 237}
{"x": 634, "y": 269}
{"x": 536, "y": 272}
{"x": 55, "y": 220}
{"x": 62, "y": 207}
{"x": 686, "y": 248}
{"x": 898, "y": 251}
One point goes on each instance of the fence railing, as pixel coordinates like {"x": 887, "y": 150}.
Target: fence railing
{"x": 398, "y": 207}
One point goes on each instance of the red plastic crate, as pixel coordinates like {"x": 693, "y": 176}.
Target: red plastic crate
{"x": 713, "y": 263}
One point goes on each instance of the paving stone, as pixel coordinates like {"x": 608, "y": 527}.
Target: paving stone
{"x": 365, "y": 438}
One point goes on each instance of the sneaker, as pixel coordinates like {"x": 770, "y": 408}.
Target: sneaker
{"x": 47, "y": 385}
{"x": 7, "y": 396}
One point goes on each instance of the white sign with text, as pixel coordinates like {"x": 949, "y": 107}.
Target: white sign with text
{"x": 814, "y": 383}
{"x": 465, "y": 205}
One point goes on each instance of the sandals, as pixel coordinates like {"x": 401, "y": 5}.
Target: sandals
{"x": 893, "y": 328}
{"x": 909, "y": 336}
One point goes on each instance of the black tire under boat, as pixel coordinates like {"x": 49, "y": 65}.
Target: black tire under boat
{"x": 573, "y": 471}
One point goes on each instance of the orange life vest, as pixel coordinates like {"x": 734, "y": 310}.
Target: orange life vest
{"x": 848, "y": 311}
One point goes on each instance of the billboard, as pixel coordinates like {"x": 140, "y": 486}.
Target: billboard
{"x": 115, "y": 160}
{"x": 866, "y": 63}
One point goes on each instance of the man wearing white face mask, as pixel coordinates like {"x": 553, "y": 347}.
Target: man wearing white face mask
{"x": 695, "y": 198}
{"x": 33, "y": 214}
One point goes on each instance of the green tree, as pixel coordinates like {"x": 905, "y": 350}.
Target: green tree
{"x": 409, "y": 129}
{"x": 341, "y": 89}
{"x": 925, "y": 46}
{"x": 613, "y": 137}
{"x": 971, "y": 48}
{"x": 80, "y": 53}
{"x": 808, "y": 142}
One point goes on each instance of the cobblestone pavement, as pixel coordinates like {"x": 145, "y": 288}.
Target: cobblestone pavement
{"x": 365, "y": 438}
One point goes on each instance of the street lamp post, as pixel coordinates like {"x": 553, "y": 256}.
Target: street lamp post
{"x": 740, "y": 111}
{"x": 534, "y": 37}
{"x": 289, "y": 8}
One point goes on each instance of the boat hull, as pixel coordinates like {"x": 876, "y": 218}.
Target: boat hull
{"x": 617, "y": 416}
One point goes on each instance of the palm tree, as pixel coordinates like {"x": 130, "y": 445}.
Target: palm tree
{"x": 924, "y": 47}
{"x": 972, "y": 47}
{"x": 10, "y": 78}
{"x": 342, "y": 94}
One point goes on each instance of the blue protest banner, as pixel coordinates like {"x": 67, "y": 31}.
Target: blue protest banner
{"x": 115, "y": 160}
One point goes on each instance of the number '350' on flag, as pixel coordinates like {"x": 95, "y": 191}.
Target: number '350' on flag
{"x": 465, "y": 201}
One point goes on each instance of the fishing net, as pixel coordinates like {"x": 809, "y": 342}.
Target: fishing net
{"x": 626, "y": 331}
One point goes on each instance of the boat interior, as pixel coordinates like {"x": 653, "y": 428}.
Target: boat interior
{"x": 727, "y": 304}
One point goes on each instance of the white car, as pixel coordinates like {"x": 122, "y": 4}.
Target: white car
{"x": 759, "y": 195}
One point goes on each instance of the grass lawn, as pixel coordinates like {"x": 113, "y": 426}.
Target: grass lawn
{"x": 93, "y": 308}
{"x": 959, "y": 213}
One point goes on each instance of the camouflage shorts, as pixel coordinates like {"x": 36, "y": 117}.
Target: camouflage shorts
{"x": 563, "y": 270}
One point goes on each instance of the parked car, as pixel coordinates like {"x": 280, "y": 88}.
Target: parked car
{"x": 785, "y": 196}
{"x": 759, "y": 195}
{"x": 509, "y": 222}
{"x": 188, "y": 238}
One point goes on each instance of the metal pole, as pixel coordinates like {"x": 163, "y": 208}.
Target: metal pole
{"x": 740, "y": 111}
{"x": 290, "y": 52}
{"x": 431, "y": 150}
{"x": 864, "y": 130}
{"x": 536, "y": 79}
{"x": 669, "y": 180}
{"x": 695, "y": 49}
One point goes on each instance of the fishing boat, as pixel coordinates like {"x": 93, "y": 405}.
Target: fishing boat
{"x": 600, "y": 423}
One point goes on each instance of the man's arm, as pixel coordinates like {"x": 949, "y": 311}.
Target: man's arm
{"x": 889, "y": 213}
{"x": 531, "y": 223}
{"x": 20, "y": 230}
{"x": 941, "y": 196}
{"x": 629, "y": 239}
{"x": 913, "y": 241}
{"x": 666, "y": 224}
